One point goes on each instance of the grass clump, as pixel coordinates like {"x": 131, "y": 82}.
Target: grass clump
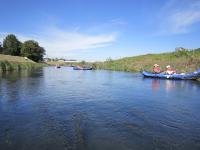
{"x": 10, "y": 63}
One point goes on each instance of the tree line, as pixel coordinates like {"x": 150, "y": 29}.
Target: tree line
{"x": 30, "y": 48}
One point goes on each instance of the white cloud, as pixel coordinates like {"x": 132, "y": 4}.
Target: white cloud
{"x": 179, "y": 16}
{"x": 58, "y": 42}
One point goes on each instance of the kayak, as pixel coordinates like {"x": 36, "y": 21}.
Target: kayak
{"x": 183, "y": 76}
{"x": 84, "y": 68}
{"x": 58, "y": 66}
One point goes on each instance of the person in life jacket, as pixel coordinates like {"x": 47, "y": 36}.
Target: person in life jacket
{"x": 169, "y": 70}
{"x": 156, "y": 68}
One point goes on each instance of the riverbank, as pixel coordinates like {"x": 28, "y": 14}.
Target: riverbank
{"x": 10, "y": 63}
{"x": 182, "y": 61}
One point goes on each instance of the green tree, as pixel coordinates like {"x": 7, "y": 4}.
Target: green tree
{"x": 94, "y": 65}
{"x": 32, "y": 50}
{"x": 11, "y": 45}
{"x": 1, "y": 48}
{"x": 83, "y": 62}
{"x": 109, "y": 60}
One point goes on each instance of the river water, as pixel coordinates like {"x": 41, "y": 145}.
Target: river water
{"x": 63, "y": 109}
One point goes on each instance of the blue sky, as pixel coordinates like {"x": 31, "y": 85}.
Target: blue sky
{"x": 98, "y": 29}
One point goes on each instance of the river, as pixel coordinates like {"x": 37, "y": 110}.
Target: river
{"x": 64, "y": 109}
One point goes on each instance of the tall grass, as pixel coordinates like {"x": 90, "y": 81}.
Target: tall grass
{"x": 9, "y": 63}
{"x": 182, "y": 61}
{"x": 10, "y": 66}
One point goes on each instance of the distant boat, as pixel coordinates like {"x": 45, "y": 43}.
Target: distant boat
{"x": 58, "y": 66}
{"x": 183, "y": 76}
{"x": 82, "y": 68}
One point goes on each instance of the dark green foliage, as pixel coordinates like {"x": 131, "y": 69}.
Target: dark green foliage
{"x": 2, "y": 66}
{"x": 83, "y": 63}
{"x": 11, "y": 45}
{"x": 94, "y": 65}
{"x": 1, "y": 48}
{"x": 32, "y": 50}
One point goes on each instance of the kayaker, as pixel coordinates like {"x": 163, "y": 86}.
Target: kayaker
{"x": 156, "y": 68}
{"x": 79, "y": 67}
{"x": 58, "y": 66}
{"x": 169, "y": 70}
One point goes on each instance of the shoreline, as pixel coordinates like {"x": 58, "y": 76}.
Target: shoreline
{"x": 17, "y": 66}
{"x": 17, "y": 63}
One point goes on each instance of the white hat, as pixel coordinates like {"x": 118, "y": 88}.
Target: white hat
{"x": 155, "y": 65}
{"x": 168, "y": 66}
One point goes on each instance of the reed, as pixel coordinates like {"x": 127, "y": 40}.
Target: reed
{"x": 10, "y": 63}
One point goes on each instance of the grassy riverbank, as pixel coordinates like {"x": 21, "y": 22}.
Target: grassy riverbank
{"x": 9, "y": 63}
{"x": 183, "y": 61}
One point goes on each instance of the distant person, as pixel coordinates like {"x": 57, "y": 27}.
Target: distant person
{"x": 79, "y": 67}
{"x": 156, "y": 68}
{"x": 58, "y": 66}
{"x": 169, "y": 70}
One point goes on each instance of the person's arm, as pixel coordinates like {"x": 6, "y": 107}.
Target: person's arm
{"x": 153, "y": 69}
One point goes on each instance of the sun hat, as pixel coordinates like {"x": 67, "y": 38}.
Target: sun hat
{"x": 168, "y": 66}
{"x": 155, "y": 65}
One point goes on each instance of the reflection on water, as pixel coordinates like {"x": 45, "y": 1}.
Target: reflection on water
{"x": 10, "y": 87}
{"x": 15, "y": 75}
{"x": 157, "y": 84}
{"x": 168, "y": 84}
{"x": 94, "y": 110}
